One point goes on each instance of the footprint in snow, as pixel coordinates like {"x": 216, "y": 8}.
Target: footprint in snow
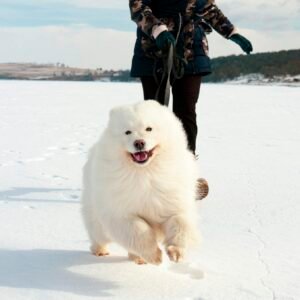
{"x": 34, "y": 159}
{"x": 57, "y": 177}
{"x": 187, "y": 269}
{"x": 29, "y": 207}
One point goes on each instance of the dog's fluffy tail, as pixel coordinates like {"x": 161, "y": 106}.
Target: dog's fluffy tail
{"x": 202, "y": 189}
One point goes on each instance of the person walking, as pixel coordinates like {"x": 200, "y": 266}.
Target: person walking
{"x": 182, "y": 24}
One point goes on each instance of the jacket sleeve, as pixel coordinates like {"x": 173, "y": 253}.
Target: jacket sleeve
{"x": 213, "y": 16}
{"x": 142, "y": 15}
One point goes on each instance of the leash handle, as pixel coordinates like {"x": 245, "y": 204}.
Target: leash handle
{"x": 168, "y": 65}
{"x": 169, "y": 70}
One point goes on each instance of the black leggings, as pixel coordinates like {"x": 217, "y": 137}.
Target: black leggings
{"x": 185, "y": 95}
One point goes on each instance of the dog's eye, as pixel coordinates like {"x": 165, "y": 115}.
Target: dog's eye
{"x": 148, "y": 129}
{"x": 128, "y": 132}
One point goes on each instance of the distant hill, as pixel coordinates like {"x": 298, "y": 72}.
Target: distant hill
{"x": 33, "y": 71}
{"x": 278, "y": 67}
{"x": 269, "y": 65}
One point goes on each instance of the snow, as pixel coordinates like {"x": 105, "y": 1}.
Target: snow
{"x": 248, "y": 146}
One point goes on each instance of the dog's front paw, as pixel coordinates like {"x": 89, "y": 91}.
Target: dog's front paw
{"x": 175, "y": 253}
{"x": 154, "y": 258}
{"x": 137, "y": 259}
{"x": 99, "y": 250}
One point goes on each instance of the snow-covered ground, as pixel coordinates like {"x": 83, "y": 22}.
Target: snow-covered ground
{"x": 248, "y": 146}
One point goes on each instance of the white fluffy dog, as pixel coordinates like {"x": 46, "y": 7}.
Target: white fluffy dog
{"x": 140, "y": 184}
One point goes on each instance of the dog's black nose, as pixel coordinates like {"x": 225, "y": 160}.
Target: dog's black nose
{"x": 139, "y": 144}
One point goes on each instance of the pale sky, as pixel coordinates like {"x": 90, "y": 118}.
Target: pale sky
{"x": 100, "y": 34}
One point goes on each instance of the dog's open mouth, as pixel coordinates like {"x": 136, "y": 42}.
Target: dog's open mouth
{"x": 142, "y": 156}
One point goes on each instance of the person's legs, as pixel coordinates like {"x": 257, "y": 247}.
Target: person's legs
{"x": 185, "y": 95}
{"x": 150, "y": 87}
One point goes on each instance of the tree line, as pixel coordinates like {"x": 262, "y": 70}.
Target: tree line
{"x": 268, "y": 64}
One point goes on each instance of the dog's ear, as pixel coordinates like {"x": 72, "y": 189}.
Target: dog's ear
{"x": 113, "y": 112}
{"x": 119, "y": 116}
{"x": 122, "y": 112}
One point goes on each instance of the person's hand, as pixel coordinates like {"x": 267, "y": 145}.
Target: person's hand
{"x": 242, "y": 42}
{"x": 164, "y": 40}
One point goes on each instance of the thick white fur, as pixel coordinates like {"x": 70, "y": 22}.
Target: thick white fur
{"x": 136, "y": 205}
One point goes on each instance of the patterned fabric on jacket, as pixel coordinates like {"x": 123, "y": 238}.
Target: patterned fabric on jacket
{"x": 189, "y": 19}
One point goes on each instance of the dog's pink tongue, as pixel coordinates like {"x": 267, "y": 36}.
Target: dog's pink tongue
{"x": 140, "y": 156}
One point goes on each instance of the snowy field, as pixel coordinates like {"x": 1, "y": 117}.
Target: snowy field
{"x": 249, "y": 149}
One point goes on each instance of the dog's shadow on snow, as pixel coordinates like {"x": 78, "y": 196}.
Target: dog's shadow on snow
{"x": 53, "y": 270}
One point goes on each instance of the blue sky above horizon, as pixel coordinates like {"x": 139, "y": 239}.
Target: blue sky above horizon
{"x": 20, "y": 13}
{"x": 30, "y": 15}
{"x": 66, "y": 27}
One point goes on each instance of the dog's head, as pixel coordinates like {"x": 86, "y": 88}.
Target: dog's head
{"x": 144, "y": 130}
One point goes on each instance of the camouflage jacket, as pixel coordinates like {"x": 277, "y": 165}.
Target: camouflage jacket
{"x": 183, "y": 18}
